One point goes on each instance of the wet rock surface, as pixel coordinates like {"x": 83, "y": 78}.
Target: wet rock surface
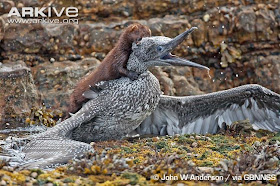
{"x": 55, "y": 81}
{"x": 18, "y": 94}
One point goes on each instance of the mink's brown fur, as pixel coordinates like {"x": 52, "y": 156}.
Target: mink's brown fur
{"x": 112, "y": 67}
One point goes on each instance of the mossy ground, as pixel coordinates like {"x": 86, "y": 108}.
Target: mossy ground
{"x": 133, "y": 161}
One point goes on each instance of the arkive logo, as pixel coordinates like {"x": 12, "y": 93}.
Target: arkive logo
{"x": 36, "y": 12}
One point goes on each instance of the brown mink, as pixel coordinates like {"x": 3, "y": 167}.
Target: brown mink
{"x": 112, "y": 67}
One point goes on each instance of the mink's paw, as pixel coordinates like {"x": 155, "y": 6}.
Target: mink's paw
{"x": 132, "y": 75}
{"x": 95, "y": 88}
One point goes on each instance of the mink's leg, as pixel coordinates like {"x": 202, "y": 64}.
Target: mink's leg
{"x": 124, "y": 72}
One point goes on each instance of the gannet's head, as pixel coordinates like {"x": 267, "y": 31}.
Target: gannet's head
{"x": 156, "y": 51}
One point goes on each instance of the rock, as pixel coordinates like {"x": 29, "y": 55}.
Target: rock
{"x": 194, "y": 144}
{"x": 5, "y": 6}
{"x": 78, "y": 181}
{"x": 206, "y": 17}
{"x": 143, "y": 9}
{"x": 55, "y": 81}
{"x": 197, "y": 137}
{"x": 207, "y": 170}
{"x": 199, "y": 37}
{"x": 18, "y": 94}
{"x": 246, "y": 25}
{"x": 266, "y": 25}
{"x": 3, "y": 183}
{"x": 257, "y": 144}
{"x": 2, "y": 28}
{"x": 34, "y": 174}
{"x": 191, "y": 163}
{"x": 176, "y": 81}
{"x": 36, "y": 38}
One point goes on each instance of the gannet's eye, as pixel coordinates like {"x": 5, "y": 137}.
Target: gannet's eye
{"x": 160, "y": 48}
{"x": 138, "y": 40}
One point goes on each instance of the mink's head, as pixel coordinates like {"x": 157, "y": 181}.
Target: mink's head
{"x": 135, "y": 32}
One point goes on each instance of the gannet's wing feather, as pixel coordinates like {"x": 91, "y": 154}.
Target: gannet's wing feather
{"x": 207, "y": 113}
{"x": 86, "y": 113}
{"x": 54, "y": 146}
{"x": 49, "y": 153}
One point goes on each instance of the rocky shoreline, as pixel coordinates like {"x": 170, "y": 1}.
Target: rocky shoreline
{"x": 41, "y": 63}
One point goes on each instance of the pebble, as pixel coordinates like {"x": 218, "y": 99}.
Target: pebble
{"x": 155, "y": 139}
{"x": 78, "y": 181}
{"x": 197, "y": 137}
{"x": 194, "y": 144}
{"x": 3, "y": 182}
{"x": 125, "y": 13}
{"x": 20, "y": 5}
{"x": 191, "y": 163}
{"x": 27, "y": 179}
{"x": 180, "y": 184}
{"x": 82, "y": 43}
{"x": 206, "y": 17}
{"x": 61, "y": 51}
{"x": 57, "y": 175}
{"x": 224, "y": 165}
{"x": 34, "y": 174}
{"x": 6, "y": 177}
{"x": 71, "y": 168}
{"x": 86, "y": 37}
{"x": 257, "y": 143}
{"x": 207, "y": 170}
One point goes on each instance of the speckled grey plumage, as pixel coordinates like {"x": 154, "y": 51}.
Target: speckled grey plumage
{"x": 126, "y": 109}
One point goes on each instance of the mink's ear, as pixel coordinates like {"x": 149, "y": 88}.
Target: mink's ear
{"x": 134, "y": 27}
{"x": 150, "y": 32}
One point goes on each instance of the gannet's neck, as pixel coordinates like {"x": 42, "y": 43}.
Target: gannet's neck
{"x": 135, "y": 65}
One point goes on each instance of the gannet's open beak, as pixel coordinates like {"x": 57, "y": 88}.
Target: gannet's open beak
{"x": 166, "y": 58}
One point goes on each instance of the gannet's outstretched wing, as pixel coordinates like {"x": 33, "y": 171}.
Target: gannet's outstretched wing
{"x": 54, "y": 147}
{"x": 206, "y": 113}
{"x": 48, "y": 153}
{"x": 86, "y": 113}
